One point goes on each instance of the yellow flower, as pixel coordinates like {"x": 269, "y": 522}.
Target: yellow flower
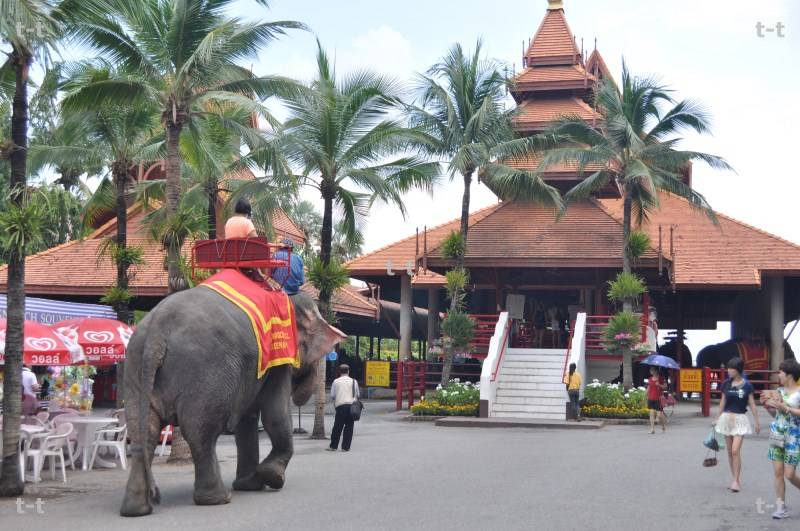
{"x": 74, "y": 389}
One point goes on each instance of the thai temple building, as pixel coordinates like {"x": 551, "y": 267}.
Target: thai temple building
{"x": 518, "y": 254}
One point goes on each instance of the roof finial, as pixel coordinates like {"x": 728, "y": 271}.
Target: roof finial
{"x": 552, "y": 5}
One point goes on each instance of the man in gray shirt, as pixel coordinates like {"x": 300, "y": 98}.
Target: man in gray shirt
{"x": 344, "y": 391}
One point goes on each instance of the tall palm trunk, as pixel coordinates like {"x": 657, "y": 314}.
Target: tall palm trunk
{"x": 10, "y": 484}
{"x": 173, "y": 178}
{"x": 120, "y": 175}
{"x": 180, "y": 452}
{"x": 627, "y": 355}
{"x": 326, "y": 243}
{"x": 211, "y": 196}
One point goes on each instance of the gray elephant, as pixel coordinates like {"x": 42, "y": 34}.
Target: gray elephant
{"x": 192, "y": 362}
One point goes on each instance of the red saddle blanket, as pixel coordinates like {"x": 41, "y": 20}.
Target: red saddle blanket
{"x": 271, "y": 315}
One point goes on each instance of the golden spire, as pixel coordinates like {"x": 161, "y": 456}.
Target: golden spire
{"x": 552, "y": 5}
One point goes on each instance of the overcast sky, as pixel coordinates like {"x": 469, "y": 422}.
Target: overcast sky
{"x": 708, "y": 50}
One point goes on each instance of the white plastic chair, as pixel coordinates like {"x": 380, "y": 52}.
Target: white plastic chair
{"x": 165, "y": 434}
{"x": 51, "y": 446}
{"x": 72, "y": 439}
{"x": 115, "y": 438}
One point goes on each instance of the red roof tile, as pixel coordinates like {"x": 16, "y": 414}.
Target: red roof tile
{"x": 728, "y": 255}
{"x": 553, "y": 42}
{"x": 544, "y": 74}
{"x": 347, "y": 301}
{"x": 537, "y": 114}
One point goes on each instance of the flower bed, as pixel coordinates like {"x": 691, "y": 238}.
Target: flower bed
{"x": 455, "y": 399}
{"x": 605, "y": 400}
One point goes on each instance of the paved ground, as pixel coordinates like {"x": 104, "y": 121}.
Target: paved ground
{"x": 413, "y": 475}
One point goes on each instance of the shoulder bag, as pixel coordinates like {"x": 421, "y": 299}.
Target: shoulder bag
{"x": 356, "y": 406}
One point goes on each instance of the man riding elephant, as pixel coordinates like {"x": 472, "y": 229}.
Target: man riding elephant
{"x": 193, "y": 362}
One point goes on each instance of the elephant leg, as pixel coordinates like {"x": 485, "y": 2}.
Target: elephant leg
{"x": 276, "y": 417}
{"x": 247, "y": 454}
{"x": 141, "y": 491}
{"x": 202, "y": 439}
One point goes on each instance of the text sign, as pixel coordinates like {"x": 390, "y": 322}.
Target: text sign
{"x": 691, "y": 381}
{"x": 377, "y": 373}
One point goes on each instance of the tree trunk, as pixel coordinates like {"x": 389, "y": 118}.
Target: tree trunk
{"x": 173, "y": 178}
{"x": 627, "y": 306}
{"x": 465, "y": 213}
{"x": 10, "y": 484}
{"x": 447, "y": 366}
{"x": 627, "y": 369}
{"x": 211, "y": 193}
{"x": 120, "y": 174}
{"x": 326, "y": 240}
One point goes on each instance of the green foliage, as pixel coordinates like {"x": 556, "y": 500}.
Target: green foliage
{"x": 21, "y": 225}
{"x": 189, "y": 221}
{"x": 327, "y": 278}
{"x": 638, "y": 244}
{"x": 627, "y": 287}
{"x": 456, "y": 393}
{"x": 128, "y": 256}
{"x": 116, "y": 296}
{"x": 453, "y": 246}
{"x": 459, "y": 328}
{"x": 623, "y": 331}
{"x": 456, "y": 282}
{"x": 610, "y": 401}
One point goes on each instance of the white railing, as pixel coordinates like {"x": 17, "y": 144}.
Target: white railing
{"x": 577, "y": 352}
{"x": 494, "y": 362}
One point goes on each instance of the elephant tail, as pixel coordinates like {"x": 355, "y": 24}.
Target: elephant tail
{"x": 152, "y": 357}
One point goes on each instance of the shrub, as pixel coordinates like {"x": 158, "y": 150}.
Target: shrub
{"x": 638, "y": 243}
{"x": 456, "y": 284}
{"x": 456, "y": 393}
{"x": 627, "y": 287}
{"x": 609, "y": 401}
{"x": 453, "y": 246}
{"x": 459, "y": 328}
{"x": 622, "y": 332}
{"x": 433, "y": 408}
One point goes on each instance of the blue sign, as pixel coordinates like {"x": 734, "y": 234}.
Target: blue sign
{"x": 332, "y": 356}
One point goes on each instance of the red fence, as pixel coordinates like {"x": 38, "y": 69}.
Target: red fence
{"x": 408, "y": 377}
{"x": 713, "y": 378}
{"x": 484, "y": 330}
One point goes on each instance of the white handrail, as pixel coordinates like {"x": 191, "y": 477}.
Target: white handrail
{"x": 577, "y": 350}
{"x": 492, "y": 365}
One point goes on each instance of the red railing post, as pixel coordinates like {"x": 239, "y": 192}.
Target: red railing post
{"x": 706, "y": 401}
{"x": 399, "y": 385}
{"x": 410, "y": 384}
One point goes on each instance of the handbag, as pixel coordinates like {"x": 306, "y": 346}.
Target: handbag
{"x": 357, "y": 406}
{"x": 710, "y": 461}
{"x": 714, "y": 441}
{"x": 776, "y": 440}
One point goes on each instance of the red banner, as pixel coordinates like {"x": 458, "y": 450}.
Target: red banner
{"x": 271, "y": 316}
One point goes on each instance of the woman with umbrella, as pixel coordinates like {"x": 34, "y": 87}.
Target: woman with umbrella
{"x": 656, "y": 386}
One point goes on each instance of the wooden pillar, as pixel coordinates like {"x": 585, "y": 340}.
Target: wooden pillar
{"x": 433, "y": 314}
{"x": 371, "y": 347}
{"x": 775, "y": 288}
{"x": 379, "y": 347}
{"x": 406, "y": 303}
{"x": 358, "y": 340}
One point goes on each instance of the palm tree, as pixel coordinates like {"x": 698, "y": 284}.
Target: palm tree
{"x": 634, "y": 148}
{"x": 115, "y": 136}
{"x": 340, "y": 136}
{"x": 183, "y": 56}
{"x": 461, "y": 108}
{"x": 28, "y": 28}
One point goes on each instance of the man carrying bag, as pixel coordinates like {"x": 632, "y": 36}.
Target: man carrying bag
{"x": 345, "y": 395}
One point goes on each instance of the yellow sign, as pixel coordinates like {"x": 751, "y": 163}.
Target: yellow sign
{"x": 377, "y": 374}
{"x": 691, "y": 381}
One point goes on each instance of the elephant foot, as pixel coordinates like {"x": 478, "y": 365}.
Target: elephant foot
{"x": 217, "y": 497}
{"x": 272, "y": 474}
{"x": 249, "y": 482}
{"x": 132, "y": 507}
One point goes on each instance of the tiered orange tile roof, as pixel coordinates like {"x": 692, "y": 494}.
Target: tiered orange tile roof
{"x": 402, "y": 253}
{"x": 538, "y": 114}
{"x": 731, "y": 254}
{"x": 347, "y": 301}
{"x": 553, "y": 43}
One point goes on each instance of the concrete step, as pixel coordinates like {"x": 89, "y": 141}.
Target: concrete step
{"x": 536, "y": 362}
{"x": 532, "y": 408}
{"x": 550, "y": 383}
{"x": 522, "y": 415}
{"x": 533, "y": 400}
{"x": 503, "y": 390}
{"x": 558, "y": 352}
{"x": 530, "y": 393}
{"x": 533, "y": 371}
{"x": 530, "y": 386}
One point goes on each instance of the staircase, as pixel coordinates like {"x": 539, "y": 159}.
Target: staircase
{"x": 530, "y": 385}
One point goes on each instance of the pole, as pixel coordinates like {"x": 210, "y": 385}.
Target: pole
{"x": 706, "y": 401}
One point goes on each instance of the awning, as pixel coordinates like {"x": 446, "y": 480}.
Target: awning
{"x": 49, "y": 312}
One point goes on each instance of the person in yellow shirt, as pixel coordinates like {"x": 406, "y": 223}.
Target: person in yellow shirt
{"x": 573, "y": 383}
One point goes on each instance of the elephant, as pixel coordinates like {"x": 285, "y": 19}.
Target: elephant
{"x": 192, "y": 362}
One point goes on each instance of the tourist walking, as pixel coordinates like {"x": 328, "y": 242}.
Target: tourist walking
{"x": 784, "y": 432}
{"x": 737, "y": 398}
{"x": 573, "y": 382}
{"x": 655, "y": 388}
{"x": 344, "y": 392}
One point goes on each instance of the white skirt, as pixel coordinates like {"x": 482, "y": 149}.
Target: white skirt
{"x": 734, "y": 424}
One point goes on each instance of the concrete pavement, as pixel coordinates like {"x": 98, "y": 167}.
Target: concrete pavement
{"x": 413, "y": 475}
